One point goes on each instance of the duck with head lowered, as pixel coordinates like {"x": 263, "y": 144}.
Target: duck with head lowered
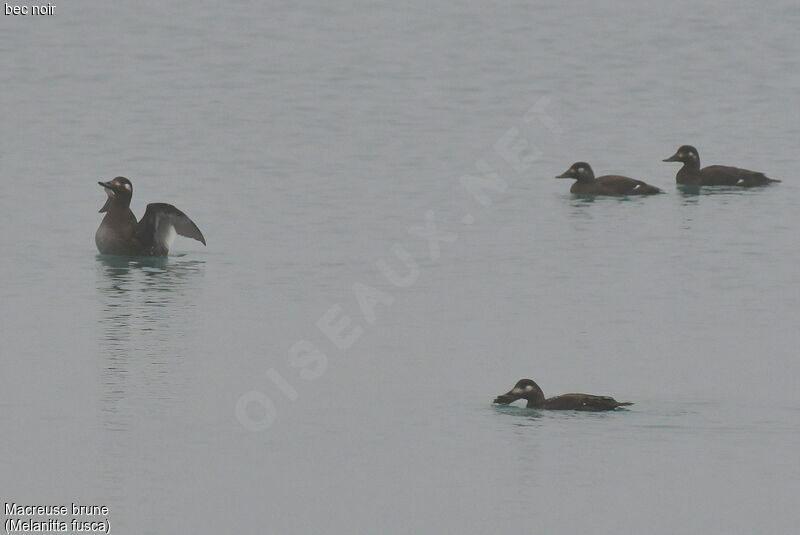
{"x": 120, "y": 234}
{"x": 528, "y": 390}
{"x": 587, "y": 184}
{"x": 714, "y": 175}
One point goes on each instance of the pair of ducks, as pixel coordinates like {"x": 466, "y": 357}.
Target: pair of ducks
{"x": 690, "y": 175}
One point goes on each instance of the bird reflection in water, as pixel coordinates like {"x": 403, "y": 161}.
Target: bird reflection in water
{"x": 146, "y": 314}
{"x": 147, "y": 305}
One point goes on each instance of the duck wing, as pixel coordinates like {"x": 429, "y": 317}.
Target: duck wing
{"x": 623, "y": 185}
{"x": 723, "y": 175}
{"x": 159, "y": 225}
{"x": 583, "y": 402}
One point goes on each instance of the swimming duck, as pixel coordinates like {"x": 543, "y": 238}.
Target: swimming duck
{"x": 529, "y": 390}
{"x": 120, "y": 234}
{"x": 587, "y": 184}
{"x": 713, "y": 175}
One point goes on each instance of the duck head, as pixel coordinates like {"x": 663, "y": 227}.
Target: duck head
{"x": 580, "y": 171}
{"x": 119, "y": 191}
{"x": 685, "y": 154}
{"x": 524, "y": 389}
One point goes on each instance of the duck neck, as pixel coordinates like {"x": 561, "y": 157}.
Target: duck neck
{"x": 116, "y": 204}
{"x": 691, "y": 165}
{"x": 537, "y": 403}
{"x": 535, "y": 399}
{"x": 116, "y": 211}
{"x": 687, "y": 172}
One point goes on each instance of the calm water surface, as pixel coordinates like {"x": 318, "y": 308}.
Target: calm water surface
{"x": 318, "y": 147}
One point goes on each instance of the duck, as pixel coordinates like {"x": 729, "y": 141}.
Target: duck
{"x": 528, "y": 389}
{"x": 587, "y": 184}
{"x": 713, "y": 175}
{"x": 120, "y": 234}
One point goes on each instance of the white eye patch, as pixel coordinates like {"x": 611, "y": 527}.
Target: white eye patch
{"x": 528, "y": 388}
{"x": 581, "y": 169}
{"x": 127, "y": 186}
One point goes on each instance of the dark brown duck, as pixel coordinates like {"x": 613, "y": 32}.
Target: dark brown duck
{"x": 120, "y": 234}
{"x": 587, "y": 184}
{"x": 530, "y": 391}
{"x": 713, "y": 175}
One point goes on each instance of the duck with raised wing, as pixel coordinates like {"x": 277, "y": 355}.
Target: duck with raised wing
{"x": 120, "y": 234}
{"x": 587, "y": 184}
{"x": 528, "y": 390}
{"x": 714, "y": 175}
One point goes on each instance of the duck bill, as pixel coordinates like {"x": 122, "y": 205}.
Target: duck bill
{"x": 509, "y": 397}
{"x": 110, "y": 191}
{"x": 565, "y": 174}
{"x": 673, "y": 158}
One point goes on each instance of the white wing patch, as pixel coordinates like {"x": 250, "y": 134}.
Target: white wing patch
{"x": 165, "y": 231}
{"x": 636, "y": 187}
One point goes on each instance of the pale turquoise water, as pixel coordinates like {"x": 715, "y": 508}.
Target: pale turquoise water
{"x": 305, "y": 142}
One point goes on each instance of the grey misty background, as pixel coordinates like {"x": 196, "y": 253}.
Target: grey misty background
{"x": 304, "y": 140}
